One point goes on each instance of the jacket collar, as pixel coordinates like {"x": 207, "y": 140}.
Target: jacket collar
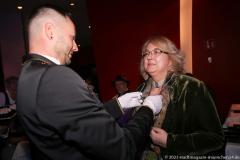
{"x": 170, "y": 79}
{"x": 38, "y": 58}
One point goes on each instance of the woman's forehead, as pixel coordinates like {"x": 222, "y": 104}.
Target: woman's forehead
{"x": 157, "y": 44}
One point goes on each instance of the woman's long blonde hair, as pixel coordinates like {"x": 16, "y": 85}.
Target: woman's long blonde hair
{"x": 177, "y": 59}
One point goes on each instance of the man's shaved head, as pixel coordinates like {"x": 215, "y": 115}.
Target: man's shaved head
{"x": 51, "y": 32}
{"x": 45, "y": 13}
{"x": 41, "y": 9}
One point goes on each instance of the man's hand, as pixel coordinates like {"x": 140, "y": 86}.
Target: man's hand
{"x": 130, "y": 100}
{"x": 154, "y": 102}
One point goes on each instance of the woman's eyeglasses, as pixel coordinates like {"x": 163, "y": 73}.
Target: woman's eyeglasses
{"x": 155, "y": 53}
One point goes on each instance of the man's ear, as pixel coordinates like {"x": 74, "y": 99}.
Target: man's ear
{"x": 48, "y": 29}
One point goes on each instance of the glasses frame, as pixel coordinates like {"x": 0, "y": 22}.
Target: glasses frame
{"x": 155, "y": 52}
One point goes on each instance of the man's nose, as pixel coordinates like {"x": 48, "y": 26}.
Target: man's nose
{"x": 75, "y": 47}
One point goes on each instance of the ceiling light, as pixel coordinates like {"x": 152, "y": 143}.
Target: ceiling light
{"x": 19, "y": 7}
{"x": 72, "y": 4}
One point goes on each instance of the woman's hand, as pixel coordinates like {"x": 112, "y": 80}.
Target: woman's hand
{"x": 159, "y": 136}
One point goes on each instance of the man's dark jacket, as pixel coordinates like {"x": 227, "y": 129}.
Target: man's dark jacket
{"x": 64, "y": 120}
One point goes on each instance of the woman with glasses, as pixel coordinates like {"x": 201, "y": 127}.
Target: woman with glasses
{"x": 188, "y": 124}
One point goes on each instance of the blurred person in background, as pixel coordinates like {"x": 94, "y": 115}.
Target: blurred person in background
{"x": 11, "y": 131}
{"x": 120, "y": 83}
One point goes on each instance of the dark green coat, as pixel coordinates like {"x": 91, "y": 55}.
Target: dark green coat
{"x": 191, "y": 119}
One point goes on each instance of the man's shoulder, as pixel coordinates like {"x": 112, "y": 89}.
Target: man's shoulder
{"x": 61, "y": 73}
{"x": 61, "y": 70}
{"x": 40, "y": 69}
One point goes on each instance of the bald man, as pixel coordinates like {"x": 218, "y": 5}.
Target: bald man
{"x": 61, "y": 117}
